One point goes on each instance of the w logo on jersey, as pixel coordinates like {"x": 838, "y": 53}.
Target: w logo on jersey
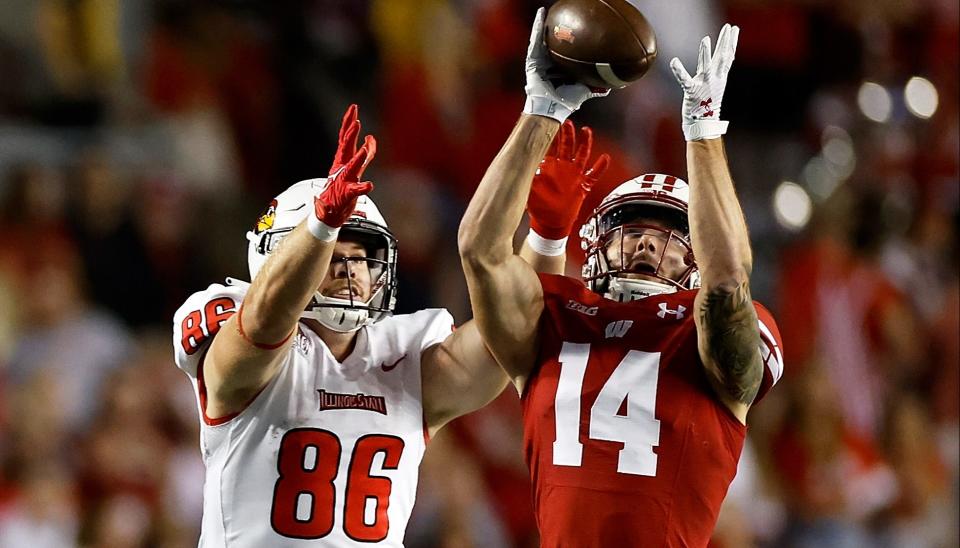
{"x": 618, "y": 328}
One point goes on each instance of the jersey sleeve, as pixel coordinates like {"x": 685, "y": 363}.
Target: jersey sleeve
{"x": 437, "y": 325}
{"x": 771, "y": 350}
{"x": 199, "y": 319}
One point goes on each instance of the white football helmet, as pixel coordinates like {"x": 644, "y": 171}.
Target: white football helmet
{"x": 366, "y": 225}
{"x": 652, "y": 196}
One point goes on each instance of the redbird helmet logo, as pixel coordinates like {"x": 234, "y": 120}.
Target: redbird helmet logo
{"x": 265, "y": 220}
{"x": 564, "y": 34}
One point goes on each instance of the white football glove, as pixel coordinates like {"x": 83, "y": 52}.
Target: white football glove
{"x": 703, "y": 93}
{"x": 543, "y": 98}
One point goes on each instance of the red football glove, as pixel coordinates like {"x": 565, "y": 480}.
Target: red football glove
{"x": 339, "y": 199}
{"x": 562, "y": 182}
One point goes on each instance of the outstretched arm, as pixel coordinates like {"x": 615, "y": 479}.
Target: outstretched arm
{"x": 727, "y": 329}
{"x": 460, "y": 374}
{"x": 248, "y": 350}
{"x": 504, "y": 290}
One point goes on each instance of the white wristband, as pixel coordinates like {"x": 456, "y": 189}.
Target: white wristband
{"x": 321, "y": 230}
{"x": 704, "y": 129}
{"x": 544, "y": 106}
{"x": 543, "y": 246}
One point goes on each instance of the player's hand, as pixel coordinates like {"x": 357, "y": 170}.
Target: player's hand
{"x": 543, "y": 98}
{"x": 563, "y": 181}
{"x": 703, "y": 93}
{"x": 337, "y": 201}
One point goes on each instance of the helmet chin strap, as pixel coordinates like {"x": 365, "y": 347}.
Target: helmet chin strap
{"x": 336, "y": 317}
{"x": 626, "y": 290}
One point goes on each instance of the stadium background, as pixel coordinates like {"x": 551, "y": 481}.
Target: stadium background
{"x": 140, "y": 138}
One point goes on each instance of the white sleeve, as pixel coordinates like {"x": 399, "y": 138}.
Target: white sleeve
{"x": 437, "y": 324}
{"x": 199, "y": 319}
{"x": 770, "y": 350}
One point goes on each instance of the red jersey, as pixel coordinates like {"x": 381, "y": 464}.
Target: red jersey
{"x": 626, "y": 441}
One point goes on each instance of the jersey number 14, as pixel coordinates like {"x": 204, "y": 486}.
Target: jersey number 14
{"x": 633, "y": 380}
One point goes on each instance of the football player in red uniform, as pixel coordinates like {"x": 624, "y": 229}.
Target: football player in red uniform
{"x": 635, "y": 385}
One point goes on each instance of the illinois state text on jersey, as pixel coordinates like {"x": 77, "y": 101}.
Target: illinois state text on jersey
{"x": 626, "y": 442}
{"x": 328, "y": 453}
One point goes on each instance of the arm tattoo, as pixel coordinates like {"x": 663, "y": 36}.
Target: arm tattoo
{"x": 733, "y": 340}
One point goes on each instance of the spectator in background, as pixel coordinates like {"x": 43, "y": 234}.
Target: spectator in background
{"x": 921, "y": 514}
{"x": 81, "y": 50}
{"x": 491, "y": 436}
{"x": 833, "y": 479}
{"x": 45, "y": 513}
{"x": 454, "y": 508}
{"x": 123, "y": 471}
{"x": 845, "y": 312}
{"x": 63, "y": 334}
{"x": 32, "y": 204}
{"x": 134, "y": 234}
{"x": 208, "y": 72}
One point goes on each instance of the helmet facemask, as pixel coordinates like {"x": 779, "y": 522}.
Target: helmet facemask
{"x": 608, "y": 269}
{"x": 366, "y": 226}
{"x": 351, "y": 313}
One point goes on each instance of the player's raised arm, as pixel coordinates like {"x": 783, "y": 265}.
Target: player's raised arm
{"x": 504, "y": 290}
{"x": 728, "y": 335}
{"x": 247, "y": 351}
{"x": 460, "y": 374}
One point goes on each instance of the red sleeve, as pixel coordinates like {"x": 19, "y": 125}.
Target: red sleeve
{"x": 771, "y": 349}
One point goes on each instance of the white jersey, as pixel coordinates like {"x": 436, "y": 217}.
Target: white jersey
{"x": 327, "y": 454}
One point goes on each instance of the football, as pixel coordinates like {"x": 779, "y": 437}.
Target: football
{"x": 601, "y": 43}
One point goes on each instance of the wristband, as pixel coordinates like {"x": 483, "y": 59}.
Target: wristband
{"x": 543, "y": 246}
{"x": 549, "y": 108}
{"x": 321, "y": 230}
{"x": 704, "y": 129}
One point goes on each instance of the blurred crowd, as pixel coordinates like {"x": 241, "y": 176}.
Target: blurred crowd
{"x": 139, "y": 139}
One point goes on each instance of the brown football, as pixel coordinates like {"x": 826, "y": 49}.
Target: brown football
{"x": 602, "y": 43}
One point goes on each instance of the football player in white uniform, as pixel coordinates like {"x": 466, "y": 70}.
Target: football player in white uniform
{"x": 316, "y": 404}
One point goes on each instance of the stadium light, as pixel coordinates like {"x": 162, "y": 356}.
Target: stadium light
{"x": 875, "y": 102}
{"x": 792, "y": 206}
{"x": 921, "y": 97}
{"x": 837, "y": 150}
{"x": 819, "y": 177}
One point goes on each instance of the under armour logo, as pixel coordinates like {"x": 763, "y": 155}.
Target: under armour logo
{"x": 618, "y": 328}
{"x": 705, "y": 105}
{"x": 664, "y": 311}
